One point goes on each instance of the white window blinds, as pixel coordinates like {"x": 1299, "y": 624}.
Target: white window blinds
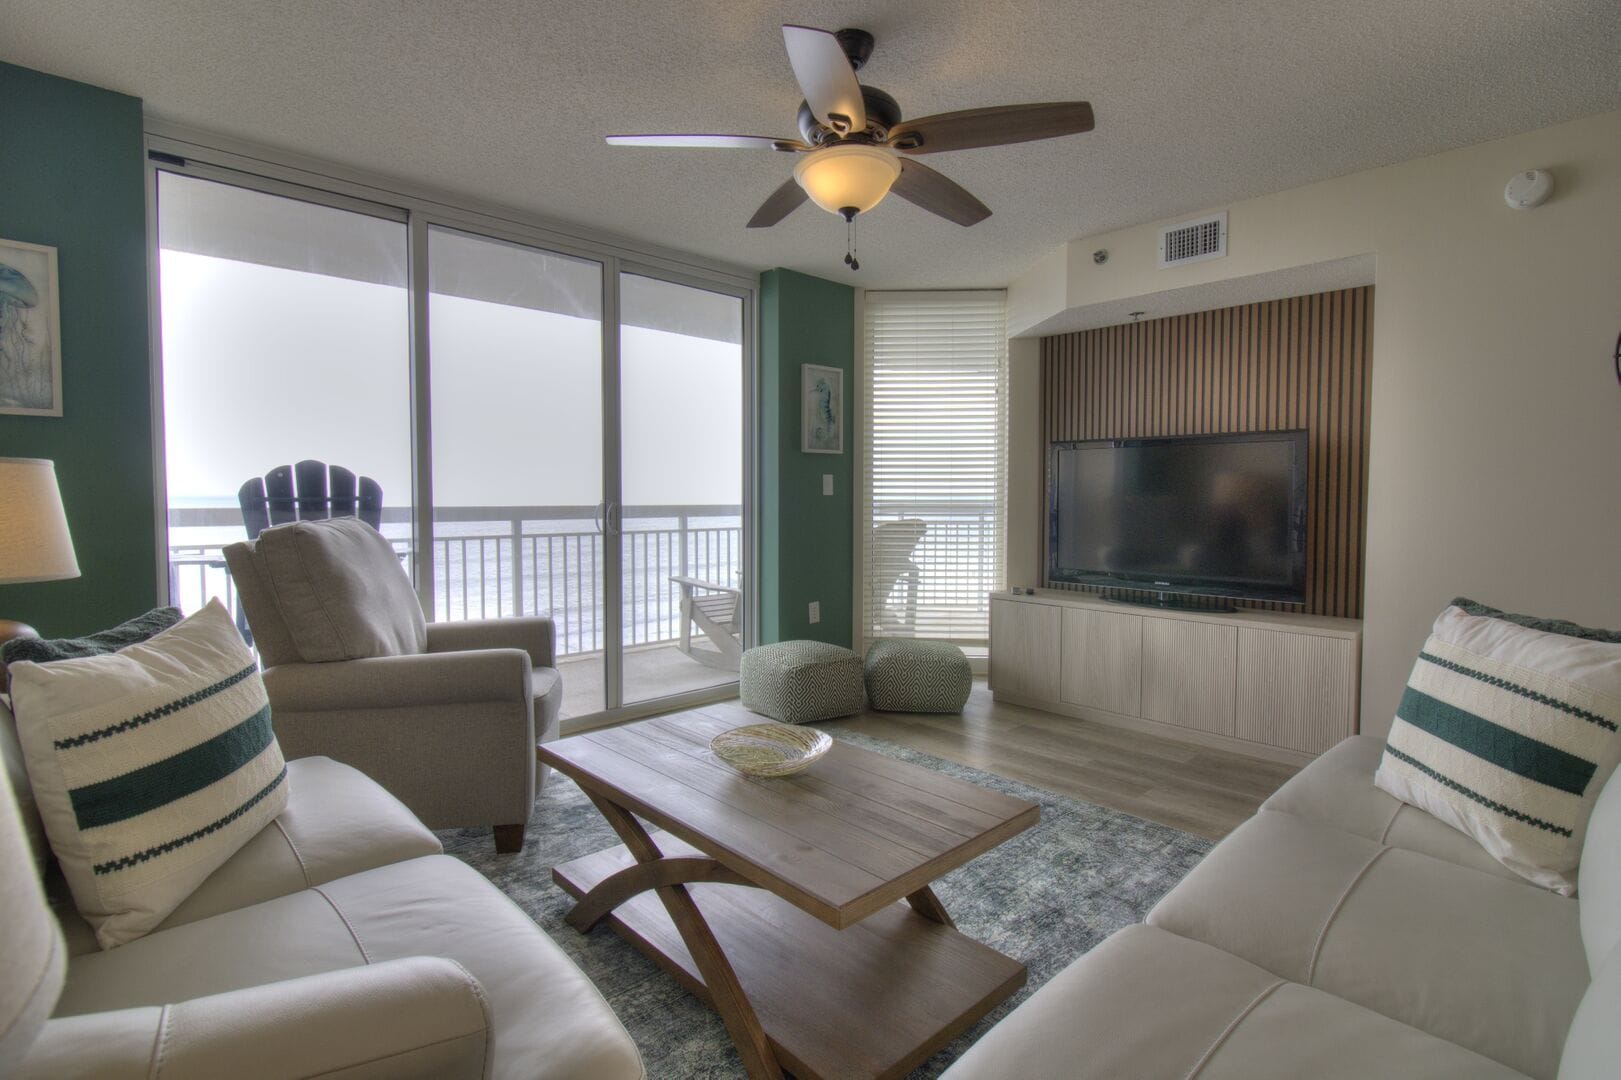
{"x": 933, "y": 447}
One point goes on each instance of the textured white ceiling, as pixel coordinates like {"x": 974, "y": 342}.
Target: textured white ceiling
{"x": 1199, "y": 102}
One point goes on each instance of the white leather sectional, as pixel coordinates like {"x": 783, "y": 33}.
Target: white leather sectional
{"x": 1341, "y": 933}
{"x": 340, "y": 940}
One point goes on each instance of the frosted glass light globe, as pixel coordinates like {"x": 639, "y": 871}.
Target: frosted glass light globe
{"x": 847, "y": 175}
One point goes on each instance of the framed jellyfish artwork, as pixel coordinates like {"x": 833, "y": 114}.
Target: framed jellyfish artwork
{"x": 30, "y": 331}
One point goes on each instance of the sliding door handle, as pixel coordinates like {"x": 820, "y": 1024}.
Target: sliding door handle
{"x": 613, "y": 519}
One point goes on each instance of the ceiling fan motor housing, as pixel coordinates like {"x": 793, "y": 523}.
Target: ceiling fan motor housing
{"x": 883, "y": 113}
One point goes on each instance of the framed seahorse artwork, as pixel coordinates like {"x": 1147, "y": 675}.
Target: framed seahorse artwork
{"x": 822, "y": 409}
{"x": 30, "y": 331}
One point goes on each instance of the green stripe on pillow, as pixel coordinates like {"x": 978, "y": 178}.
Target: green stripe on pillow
{"x": 155, "y": 850}
{"x": 1470, "y": 793}
{"x": 1499, "y": 745}
{"x": 163, "y": 782}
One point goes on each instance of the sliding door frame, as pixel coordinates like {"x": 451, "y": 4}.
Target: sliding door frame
{"x": 747, "y": 308}
{"x": 204, "y": 155}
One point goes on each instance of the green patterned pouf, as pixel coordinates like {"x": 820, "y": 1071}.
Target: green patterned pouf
{"x": 904, "y": 675}
{"x": 800, "y": 681}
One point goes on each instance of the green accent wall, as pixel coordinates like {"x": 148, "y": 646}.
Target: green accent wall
{"x": 72, "y": 176}
{"x": 807, "y": 539}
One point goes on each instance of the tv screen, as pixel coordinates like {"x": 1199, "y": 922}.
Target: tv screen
{"x": 1215, "y": 515}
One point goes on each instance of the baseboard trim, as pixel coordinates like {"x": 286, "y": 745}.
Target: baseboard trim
{"x": 1164, "y": 730}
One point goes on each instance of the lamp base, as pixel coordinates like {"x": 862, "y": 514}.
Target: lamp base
{"x": 9, "y": 629}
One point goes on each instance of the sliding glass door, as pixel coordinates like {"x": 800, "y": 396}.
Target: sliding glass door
{"x": 681, "y": 461}
{"x": 528, "y": 517}
{"x": 553, "y": 432}
{"x": 285, "y": 329}
{"x": 515, "y": 348}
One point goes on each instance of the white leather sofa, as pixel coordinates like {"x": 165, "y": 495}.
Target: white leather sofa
{"x": 339, "y": 941}
{"x": 1341, "y": 933}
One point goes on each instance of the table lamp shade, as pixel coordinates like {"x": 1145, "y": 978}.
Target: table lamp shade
{"x": 30, "y": 941}
{"x": 34, "y": 541}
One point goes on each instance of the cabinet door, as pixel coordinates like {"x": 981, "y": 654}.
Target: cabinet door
{"x": 1296, "y": 690}
{"x": 1102, "y": 660}
{"x": 1024, "y": 649}
{"x": 1188, "y": 673}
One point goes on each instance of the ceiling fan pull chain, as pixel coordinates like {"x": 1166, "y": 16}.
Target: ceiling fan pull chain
{"x": 850, "y": 243}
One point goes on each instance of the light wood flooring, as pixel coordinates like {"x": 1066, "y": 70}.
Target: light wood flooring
{"x": 1194, "y": 788}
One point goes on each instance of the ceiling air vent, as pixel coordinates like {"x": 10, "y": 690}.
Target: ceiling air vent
{"x": 1193, "y": 241}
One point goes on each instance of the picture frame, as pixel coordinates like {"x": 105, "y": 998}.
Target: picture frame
{"x": 30, "y": 330}
{"x": 821, "y": 411}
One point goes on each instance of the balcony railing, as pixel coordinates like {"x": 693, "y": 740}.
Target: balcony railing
{"x": 492, "y": 562}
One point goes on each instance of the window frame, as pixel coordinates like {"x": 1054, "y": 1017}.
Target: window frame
{"x": 188, "y": 151}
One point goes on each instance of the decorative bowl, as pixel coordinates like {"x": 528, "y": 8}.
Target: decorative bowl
{"x": 770, "y": 749}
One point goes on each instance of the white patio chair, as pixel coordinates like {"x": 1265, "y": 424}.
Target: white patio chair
{"x": 717, "y": 610}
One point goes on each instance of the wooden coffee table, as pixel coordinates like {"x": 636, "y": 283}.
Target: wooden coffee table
{"x": 817, "y": 967}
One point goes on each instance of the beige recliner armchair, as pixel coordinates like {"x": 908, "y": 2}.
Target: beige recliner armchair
{"x": 445, "y": 716}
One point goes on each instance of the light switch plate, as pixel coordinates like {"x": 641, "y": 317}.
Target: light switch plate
{"x": 815, "y": 611}
{"x": 827, "y": 483}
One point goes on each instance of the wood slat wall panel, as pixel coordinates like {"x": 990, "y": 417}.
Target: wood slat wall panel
{"x": 1296, "y": 363}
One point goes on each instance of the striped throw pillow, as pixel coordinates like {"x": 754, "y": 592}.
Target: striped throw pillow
{"x": 1508, "y": 733}
{"x": 151, "y": 766}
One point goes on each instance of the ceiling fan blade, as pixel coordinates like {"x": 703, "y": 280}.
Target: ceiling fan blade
{"x": 784, "y": 201}
{"x": 728, "y": 142}
{"x": 922, "y": 186}
{"x": 995, "y": 126}
{"x": 824, "y": 73}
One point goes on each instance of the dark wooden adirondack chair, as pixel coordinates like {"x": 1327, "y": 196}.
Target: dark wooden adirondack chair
{"x": 308, "y": 491}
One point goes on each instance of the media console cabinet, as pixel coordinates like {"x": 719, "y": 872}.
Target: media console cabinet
{"x": 1276, "y": 685}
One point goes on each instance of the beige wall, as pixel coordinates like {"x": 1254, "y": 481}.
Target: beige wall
{"x": 1042, "y": 290}
{"x": 1495, "y": 442}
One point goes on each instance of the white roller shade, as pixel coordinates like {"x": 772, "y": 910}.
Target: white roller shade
{"x": 934, "y": 446}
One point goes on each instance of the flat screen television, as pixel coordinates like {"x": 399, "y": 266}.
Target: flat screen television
{"x": 1203, "y": 515}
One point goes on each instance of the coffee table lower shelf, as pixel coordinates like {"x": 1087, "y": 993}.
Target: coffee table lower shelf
{"x": 874, "y": 1000}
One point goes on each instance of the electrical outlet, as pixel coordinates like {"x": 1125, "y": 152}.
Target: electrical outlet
{"x": 815, "y": 611}
{"x": 827, "y": 483}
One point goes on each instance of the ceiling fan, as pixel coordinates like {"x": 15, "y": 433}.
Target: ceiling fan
{"x": 857, "y": 148}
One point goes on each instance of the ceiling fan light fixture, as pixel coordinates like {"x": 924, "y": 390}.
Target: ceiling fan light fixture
{"x": 848, "y": 176}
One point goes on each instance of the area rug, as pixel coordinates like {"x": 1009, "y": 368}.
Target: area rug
{"x": 1045, "y": 897}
